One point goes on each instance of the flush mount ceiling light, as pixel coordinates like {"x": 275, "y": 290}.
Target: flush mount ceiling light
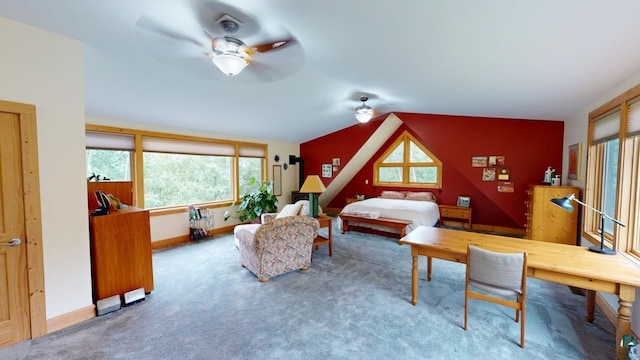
{"x": 230, "y": 55}
{"x": 364, "y": 112}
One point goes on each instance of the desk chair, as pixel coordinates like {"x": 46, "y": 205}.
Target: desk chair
{"x": 500, "y": 274}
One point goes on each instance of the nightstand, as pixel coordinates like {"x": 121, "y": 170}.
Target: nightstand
{"x": 455, "y": 212}
{"x": 325, "y": 221}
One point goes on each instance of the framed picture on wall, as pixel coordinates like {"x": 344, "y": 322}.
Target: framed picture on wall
{"x": 277, "y": 180}
{"x": 326, "y": 170}
{"x": 464, "y": 201}
{"x": 506, "y": 187}
{"x": 489, "y": 174}
{"x": 504, "y": 174}
{"x": 574, "y": 161}
{"x": 478, "y": 161}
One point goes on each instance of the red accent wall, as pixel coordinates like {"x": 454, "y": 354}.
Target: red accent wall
{"x": 529, "y": 146}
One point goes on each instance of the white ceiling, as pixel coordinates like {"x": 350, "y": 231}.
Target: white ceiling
{"x": 534, "y": 59}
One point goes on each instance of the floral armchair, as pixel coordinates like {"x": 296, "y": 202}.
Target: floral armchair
{"x": 300, "y": 208}
{"x": 277, "y": 247}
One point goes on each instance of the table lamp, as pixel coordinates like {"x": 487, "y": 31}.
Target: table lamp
{"x": 314, "y": 186}
{"x": 565, "y": 203}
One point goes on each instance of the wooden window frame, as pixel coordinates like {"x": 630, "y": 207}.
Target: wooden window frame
{"x": 137, "y": 163}
{"x": 625, "y": 240}
{"x": 406, "y": 138}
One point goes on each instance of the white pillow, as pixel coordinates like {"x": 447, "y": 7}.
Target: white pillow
{"x": 304, "y": 210}
{"x": 289, "y": 210}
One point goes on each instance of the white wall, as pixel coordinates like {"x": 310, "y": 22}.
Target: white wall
{"x": 46, "y": 70}
{"x": 175, "y": 225}
{"x": 575, "y": 131}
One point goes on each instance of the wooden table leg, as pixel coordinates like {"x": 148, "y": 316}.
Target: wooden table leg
{"x": 623, "y": 326}
{"x": 429, "y": 258}
{"x": 591, "y": 305}
{"x": 414, "y": 276}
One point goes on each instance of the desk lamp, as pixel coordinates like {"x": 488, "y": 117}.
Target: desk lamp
{"x": 314, "y": 186}
{"x": 565, "y": 203}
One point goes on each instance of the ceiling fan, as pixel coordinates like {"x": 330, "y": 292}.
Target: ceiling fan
{"x": 230, "y": 54}
{"x": 236, "y": 39}
{"x": 364, "y": 112}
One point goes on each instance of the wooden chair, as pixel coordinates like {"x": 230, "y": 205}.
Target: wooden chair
{"x": 499, "y": 274}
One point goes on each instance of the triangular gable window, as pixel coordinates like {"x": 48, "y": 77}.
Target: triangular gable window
{"x": 408, "y": 163}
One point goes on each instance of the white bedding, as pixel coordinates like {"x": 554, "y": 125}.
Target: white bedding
{"x": 418, "y": 212}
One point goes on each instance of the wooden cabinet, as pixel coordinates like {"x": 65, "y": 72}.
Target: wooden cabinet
{"x": 547, "y": 221}
{"x": 456, "y": 212}
{"x": 121, "y": 252}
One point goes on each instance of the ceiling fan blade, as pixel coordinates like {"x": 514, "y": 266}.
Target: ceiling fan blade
{"x": 158, "y": 28}
{"x": 272, "y": 45}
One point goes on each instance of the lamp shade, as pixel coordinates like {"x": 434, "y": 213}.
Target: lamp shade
{"x": 364, "y": 113}
{"x": 230, "y": 55}
{"x": 313, "y": 184}
{"x": 230, "y": 64}
{"x": 565, "y": 202}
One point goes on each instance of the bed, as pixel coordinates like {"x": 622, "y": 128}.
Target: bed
{"x": 420, "y": 208}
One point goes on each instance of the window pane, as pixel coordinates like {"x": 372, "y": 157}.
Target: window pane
{"x": 249, "y": 168}
{"x": 181, "y": 179}
{"x": 609, "y": 181}
{"x": 390, "y": 174}
{"x": 416, "y": 154}
{"x": 112, "y": 164}
{"x": 423, "y": 174}
{"x": 396, "y": 156}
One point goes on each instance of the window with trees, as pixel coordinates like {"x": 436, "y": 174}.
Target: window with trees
{"x": 612, "y": 173}
{"x": 171, "y": 170}
{"x": 408, "y": 163}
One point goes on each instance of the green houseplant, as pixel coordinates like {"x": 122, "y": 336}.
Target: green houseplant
{"x": 255, "y": 203}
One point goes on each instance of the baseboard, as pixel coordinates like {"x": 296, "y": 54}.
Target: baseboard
{"x": 183, "y": 239}
{"x": 71, "y": 318}
{"x": 607, "y": 310}
{"x": 170, "y": 242}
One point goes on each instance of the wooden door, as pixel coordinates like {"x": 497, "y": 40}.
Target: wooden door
{"x": 14, "y": 297}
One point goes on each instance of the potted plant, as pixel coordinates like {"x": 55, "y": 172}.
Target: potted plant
{"x": 253, "y": 204}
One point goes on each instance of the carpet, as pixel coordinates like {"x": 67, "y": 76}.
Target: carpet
{"x": 353, "y": 305}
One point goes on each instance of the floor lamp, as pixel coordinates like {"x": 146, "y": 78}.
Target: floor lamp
{"x": 565, "y": 203}
{"x": 314, "y": 186}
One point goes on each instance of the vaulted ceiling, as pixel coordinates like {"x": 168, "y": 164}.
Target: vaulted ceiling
{"x": 145, "y": 61}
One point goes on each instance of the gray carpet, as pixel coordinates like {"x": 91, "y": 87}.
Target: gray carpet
{"x": 354, "y": 305}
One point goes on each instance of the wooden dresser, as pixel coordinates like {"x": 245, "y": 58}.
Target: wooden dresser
{"x": 121, "y": 252}
{"x": 547, "y": 221}
{"x": 120, "y": 244}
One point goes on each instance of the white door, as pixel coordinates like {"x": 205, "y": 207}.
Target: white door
{"x": 14, "y": 301}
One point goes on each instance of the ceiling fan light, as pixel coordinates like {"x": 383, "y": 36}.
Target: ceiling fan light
{"x": 364, "y": 113}
{"x": 230, "y": 55}
{"x": 230, "y": 64}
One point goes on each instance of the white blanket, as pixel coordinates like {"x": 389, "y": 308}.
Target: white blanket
{"x": 418, "y": 212}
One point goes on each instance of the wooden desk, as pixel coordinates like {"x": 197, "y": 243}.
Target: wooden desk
{"x": 560, "y": 263}
{"x": 325, "y": 221}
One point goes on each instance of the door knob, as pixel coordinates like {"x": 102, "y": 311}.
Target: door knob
{"x": 12, "y": 242}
